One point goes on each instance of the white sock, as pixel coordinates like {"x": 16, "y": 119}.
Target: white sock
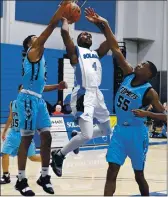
{"x": 21, "y": 175}
{"x": 44, "y": 171}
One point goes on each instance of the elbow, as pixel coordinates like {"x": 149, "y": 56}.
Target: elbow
{"x": 64, "y": 32}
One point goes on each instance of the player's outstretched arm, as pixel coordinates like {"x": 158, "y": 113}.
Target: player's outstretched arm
{"x": 52, "y": 25}
{"x": 69, "y": 44}
{"x": 93, "y": 17}
{"x": 8, "y": 123}
{"x": 142, "y": 113}
{"x": 61, "y": 86}
{"x": 37, "y": 47}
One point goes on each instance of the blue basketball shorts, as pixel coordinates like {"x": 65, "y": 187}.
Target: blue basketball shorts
{"x": 12, "y": 143}
{"x": 128, "y": 141}
{"x": 33, "y": 114}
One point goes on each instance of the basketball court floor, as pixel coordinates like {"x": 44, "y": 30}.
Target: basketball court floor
{"x": 85, "y": 173}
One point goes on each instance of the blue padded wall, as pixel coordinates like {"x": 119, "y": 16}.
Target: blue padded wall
{"x": 107, "y": 85}
{"x": 39, "y": 12}
{"x": 11, "y": 61}
{"x": 1, "y": 8}
{"x": 106, "y": 9}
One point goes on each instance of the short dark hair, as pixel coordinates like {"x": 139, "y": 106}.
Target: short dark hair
{"x": 26, "y": 42}
{"x": 153, "y": 69}
{"x": 19, "y": 86}
{"x": 79, "y": 36}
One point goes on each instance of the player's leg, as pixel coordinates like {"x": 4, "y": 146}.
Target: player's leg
{"x": 138, "y": 157}
{"x": 43, "y": 125}
{"x": 78, "y": 140}
{"x": 27, "y": 110}
{"x": 116, "y": 156}
{"x": 82, "y": 109}
{"x": 101, "y": 115}
{"x": 32, "y": 153}
{"x": 142, "y": 183}
{"x": 110, "y": 185}
{"x": 10, "y": 147}
{"x": 5, "y": 167}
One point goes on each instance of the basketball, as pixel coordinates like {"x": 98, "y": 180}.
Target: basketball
{"x": 72, "y": 12}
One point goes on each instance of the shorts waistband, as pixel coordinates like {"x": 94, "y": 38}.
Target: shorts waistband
{"x": 127, "y": 124}
{"x": 31, "y": 93}
{"x": 86, "y": 88}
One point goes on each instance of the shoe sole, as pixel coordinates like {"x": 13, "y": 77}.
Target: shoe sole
{"x": 43, "y": 188}
{"x": 52, "y": 166}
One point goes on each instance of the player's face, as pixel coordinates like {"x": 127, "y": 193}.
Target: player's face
{"x": 85, "y": 39}
{"x": 20, "y": 88}
{"x": 143, "y": 70}
{"x": 33, "y": 39}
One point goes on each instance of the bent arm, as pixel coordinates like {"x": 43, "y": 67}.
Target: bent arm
{"x": 113, "y": 44}
{"x": 70, "y": 47}
{"x": 158, "y": 116}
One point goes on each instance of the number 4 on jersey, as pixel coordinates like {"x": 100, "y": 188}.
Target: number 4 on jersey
{"x": 94, "y": 66}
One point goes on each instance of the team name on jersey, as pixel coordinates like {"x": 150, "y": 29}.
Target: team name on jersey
{"x": 89, "y": 55}
{"x": 124, "y": 90}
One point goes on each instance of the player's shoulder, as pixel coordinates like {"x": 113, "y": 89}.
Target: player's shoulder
{"x": 152, "y": 92}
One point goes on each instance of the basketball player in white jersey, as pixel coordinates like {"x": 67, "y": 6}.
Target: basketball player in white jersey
{"x": 87, "y": 101}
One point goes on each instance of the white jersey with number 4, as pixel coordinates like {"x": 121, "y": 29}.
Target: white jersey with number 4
{"x": 88, "y": 72}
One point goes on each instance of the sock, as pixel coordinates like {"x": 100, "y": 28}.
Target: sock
{"x": 44, "y": 171}
{"x": 6, "y": 174}
{"x": 21, "y": 175}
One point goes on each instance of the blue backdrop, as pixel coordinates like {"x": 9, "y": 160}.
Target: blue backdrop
{"x": 40, "y": 12}
{"x": 1, "y": 8}
{"x": 106, "y": 9}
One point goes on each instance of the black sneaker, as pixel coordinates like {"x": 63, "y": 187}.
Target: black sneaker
{"x": 23, "y": 187}
{"x": 57, "y": 162}
{"x": 45, "y": 183}
{"x": 5, "y": 179}
{"x": 74, "y": 133}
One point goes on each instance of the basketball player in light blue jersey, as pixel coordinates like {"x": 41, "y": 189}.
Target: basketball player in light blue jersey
{"x": 32, "y": 110}
{"x": 130, "y": 136}
{"x": 12, "y": 142}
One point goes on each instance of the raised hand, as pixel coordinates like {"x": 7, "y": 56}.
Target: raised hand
{"x": 93, "y": 17}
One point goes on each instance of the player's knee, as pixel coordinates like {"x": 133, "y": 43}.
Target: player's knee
{"x": 139, "y": 177}
{"x": 5, "y": 156}
{"x": 111, "y": 175}
{"x": 87, "y": 136}
{"x": 46, "y": 138}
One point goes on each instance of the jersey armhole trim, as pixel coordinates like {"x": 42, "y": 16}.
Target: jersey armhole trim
{"x": 125, "y": 76}
{"x": 36, "y": 61}
{"x": 143, "y": 100}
